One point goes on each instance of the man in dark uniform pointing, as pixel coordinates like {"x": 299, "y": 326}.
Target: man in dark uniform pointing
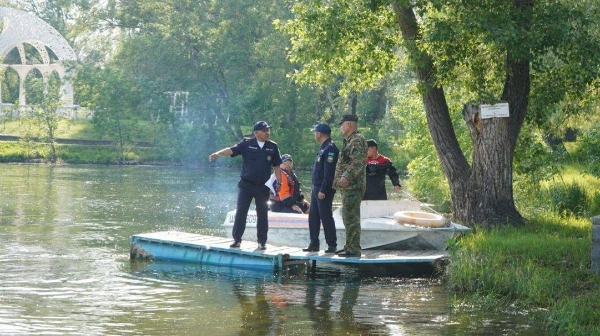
{"x": 322, "y": 191}
{"x": 259, "y": 154}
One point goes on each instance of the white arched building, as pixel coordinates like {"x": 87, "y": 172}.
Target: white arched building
{"x": 19, "y": 28}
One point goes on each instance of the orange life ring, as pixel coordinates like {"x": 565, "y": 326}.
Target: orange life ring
{"x": 419, "y": 218}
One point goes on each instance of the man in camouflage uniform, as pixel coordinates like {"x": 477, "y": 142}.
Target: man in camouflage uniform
{"x": 350, "y": 180}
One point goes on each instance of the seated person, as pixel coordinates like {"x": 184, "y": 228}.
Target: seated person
{"x": 289, "y": 197}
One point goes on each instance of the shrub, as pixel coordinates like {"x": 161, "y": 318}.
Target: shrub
{"x": 589, "y": 150}
{"x": 595, "y": 205}
{"x": 568, "y": 199}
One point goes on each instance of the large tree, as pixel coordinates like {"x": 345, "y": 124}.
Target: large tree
{"x": 525, "y": 52}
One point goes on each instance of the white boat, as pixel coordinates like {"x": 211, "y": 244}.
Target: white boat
{"x": 379, "y": 229}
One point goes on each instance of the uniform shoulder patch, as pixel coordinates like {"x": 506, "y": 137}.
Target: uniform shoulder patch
{"x": 330, "y": 157}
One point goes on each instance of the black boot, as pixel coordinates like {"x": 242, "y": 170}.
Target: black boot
{"x": 311, "y": 248}
{"x": 331, "y": 249}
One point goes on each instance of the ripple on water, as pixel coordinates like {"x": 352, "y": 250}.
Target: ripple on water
{"x": 65, "y": 268}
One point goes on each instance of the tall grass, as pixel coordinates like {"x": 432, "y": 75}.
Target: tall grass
{"x": 544, "y": 265}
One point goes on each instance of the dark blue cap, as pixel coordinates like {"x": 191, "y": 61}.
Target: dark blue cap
{"x": 261, "y": 126}
{"x": 323, "y": 128}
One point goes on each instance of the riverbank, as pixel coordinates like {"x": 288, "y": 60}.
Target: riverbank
{"x": 34, "y": 152}
{"x": 542, "y": 268}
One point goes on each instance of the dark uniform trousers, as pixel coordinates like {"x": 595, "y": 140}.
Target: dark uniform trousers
{"x": 247, "y": 191}
{"x": 321, "y": 212}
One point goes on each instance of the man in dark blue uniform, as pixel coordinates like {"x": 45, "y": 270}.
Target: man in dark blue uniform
{"x": 322, "y": 191}
{"x": 259, "y": 154}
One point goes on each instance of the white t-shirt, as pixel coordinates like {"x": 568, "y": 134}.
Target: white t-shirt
{"x": 260, "y": 144}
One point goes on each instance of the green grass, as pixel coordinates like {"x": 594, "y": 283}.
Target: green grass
{"x": 36, "y": 152}
{"x": 575, "y": 173}
{"x": 544, "y": 267}
{"x": 79, "y": 129}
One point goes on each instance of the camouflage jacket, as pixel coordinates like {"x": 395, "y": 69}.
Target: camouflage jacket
{"x": 351, "y": 163}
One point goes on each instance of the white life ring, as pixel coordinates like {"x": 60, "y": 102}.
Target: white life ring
{"x": 419, "y": 218}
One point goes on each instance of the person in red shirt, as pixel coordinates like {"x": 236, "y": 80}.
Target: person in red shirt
{"x": 378, "y": 166}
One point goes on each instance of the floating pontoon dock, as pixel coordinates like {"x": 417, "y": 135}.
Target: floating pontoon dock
{"x": 209, "y": 250}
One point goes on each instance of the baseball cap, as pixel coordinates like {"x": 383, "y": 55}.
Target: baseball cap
{"x": 261, "y": 126}
{"x": 286, "y": 157}
{"x": 371, "y": 143}
{"x": 323, "y": 128}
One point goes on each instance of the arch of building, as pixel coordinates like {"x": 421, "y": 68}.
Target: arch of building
{"x": 18, "y": 28}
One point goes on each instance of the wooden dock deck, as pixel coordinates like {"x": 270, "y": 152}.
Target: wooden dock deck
{"x": 210, "y": 250}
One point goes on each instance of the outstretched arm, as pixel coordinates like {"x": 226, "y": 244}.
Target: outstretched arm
{"x": 223, "y": 152}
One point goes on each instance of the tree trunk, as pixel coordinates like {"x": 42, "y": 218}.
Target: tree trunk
{"x": 488, "y": 198}
{"x": 120, "y": 157}
{"x": 293, "y": 96}
{"x": 381, "y": 102}
{"x": 481, "y": 194}
{"x": 352, "y": 102}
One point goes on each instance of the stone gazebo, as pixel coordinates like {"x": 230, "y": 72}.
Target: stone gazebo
{"x": 19, "y": 28}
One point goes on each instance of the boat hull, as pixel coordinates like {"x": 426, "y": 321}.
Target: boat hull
{"x": 377, "y": 233}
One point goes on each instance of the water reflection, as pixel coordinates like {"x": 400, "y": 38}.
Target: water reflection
{"x": 65, "y": 269}
{"x": 270, "y": 304}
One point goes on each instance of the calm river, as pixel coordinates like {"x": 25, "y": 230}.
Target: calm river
{"x": 65, "y": 268}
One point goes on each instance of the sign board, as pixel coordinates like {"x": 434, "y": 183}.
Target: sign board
{"x": 499, "y": 110}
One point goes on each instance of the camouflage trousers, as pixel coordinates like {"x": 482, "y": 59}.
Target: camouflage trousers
{"x": 351, "y": 216}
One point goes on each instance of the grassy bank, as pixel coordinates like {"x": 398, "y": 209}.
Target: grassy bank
{"x": 28, "y": 151}
{"x": 544, "y": 267}
{"x": 75, "y": 129}
{"x": 75, "y": 154}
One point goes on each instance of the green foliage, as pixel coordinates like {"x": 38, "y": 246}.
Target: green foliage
{"x": 595, "y": 204}
{"x": 342, "y": 38}
{"x": 87, "y": 154}
{"x": 576, "y": 316}
{"x": 544, "y": 265}
{"x": 589, "y": 149}
{"x": 568, "y": 199}
{"x": 116, "y": 100}
{"x": 534, "y": 163}
{"x": 9, "y": 79}
{"x": 76, "y": 154}
{"x": 45, "y": 115}
{"x": 468, "y": 43}
{"x": 16, "y": 152}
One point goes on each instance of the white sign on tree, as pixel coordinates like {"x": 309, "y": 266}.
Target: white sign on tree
{"x": 499, "y": 110}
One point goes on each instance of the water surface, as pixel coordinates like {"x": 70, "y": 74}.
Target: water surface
{"x": 65, "y": 268}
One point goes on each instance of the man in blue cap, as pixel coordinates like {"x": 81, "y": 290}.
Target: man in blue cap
{"x": 258, "y": 154}
{"x": 322, "y": 191}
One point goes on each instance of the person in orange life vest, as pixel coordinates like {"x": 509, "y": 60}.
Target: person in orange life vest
{"x": 378, "y": 166}
{"x": 289, "y": 197}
